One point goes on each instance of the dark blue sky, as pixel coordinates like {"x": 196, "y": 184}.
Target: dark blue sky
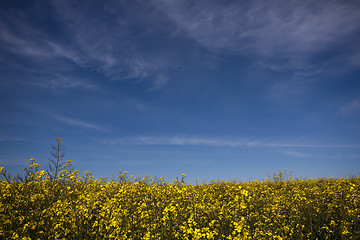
{"x": 213, "y": 89}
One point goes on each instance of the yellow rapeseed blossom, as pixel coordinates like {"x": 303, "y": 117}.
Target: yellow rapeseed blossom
{"x": 75, "y": 207}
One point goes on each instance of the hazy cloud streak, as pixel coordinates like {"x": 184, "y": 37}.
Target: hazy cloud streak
{"x": 350, "y": 108}
{"x": 75, "y": 122}
{"x": 216, "y": 142}
{"x": 295, "y": 154}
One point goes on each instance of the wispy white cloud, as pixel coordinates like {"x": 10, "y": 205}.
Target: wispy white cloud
{"x": 295, "y": 154}
{"x": 138, "y": 105}
{"x": 216, "y": 142}
{"x": 347, "y": 156}
{"x": 114, "y": 47}
{"x": 114, "y": 162}
{"x": 59, "y": 81}
{"x": 55, "y": 80}
{"x": 143, "y": 67}
{"x": 295, "y": 85}
{"x": 159, "y": 82}
{"x": 288, "y": 31}
{"x": 285, "y": 89}
{"x": 68, "y": 52}
{"x": 76, "y": 122}
{"x": 19, "y": 45}
{"x": 355, "y": 59}
{"x": 276, "y": 35}
{"x": 350, "y": 108}
{"x": 43, "y": 50}
{"x": 26, "y": 40}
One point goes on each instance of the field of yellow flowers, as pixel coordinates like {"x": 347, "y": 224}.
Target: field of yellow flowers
{"x": 81, "y": 207}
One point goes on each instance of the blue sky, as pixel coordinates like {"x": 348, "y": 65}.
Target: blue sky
{"x": 212, "y": 89}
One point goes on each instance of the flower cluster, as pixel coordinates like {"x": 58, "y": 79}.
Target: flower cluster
{"x": 82, "y": 207}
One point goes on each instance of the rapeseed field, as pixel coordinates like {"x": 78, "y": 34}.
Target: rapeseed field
{"x": 71, "y": 206}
